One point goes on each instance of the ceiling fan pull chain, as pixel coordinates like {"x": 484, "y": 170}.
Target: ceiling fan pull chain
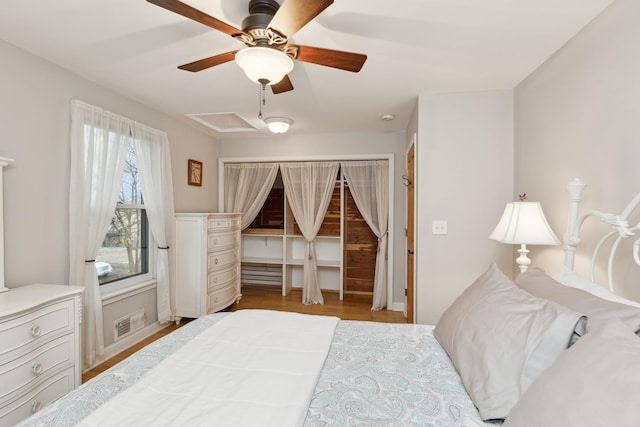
{"x": 260, "y": 102}
{"x": 263, "y": 86}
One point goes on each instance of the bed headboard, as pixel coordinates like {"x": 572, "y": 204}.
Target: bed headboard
{"x": 618, "y": 222}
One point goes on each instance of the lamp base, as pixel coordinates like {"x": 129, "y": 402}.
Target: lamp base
{"x": 523, "y": 261}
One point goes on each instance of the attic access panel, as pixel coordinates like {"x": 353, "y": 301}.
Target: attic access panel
{"x": 224, "y": 122}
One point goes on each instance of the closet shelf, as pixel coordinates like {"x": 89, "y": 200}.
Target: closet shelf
{"x": 261, "y": 260}
{"x": 321, "y": 262}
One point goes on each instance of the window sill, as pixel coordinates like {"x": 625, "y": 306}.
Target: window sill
{"x": 115, "y": 295}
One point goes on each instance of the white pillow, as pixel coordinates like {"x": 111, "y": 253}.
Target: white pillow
{"x": 570, "y": 278}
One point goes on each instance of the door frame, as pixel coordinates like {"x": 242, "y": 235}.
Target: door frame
{"x": 410, "y": 273}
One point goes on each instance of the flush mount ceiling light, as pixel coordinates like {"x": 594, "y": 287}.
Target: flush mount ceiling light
{"x": 264, "y": 65}
{"x": 278, "y": 124}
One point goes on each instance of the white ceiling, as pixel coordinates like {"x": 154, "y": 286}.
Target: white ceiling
{"x": 413, "y": 46}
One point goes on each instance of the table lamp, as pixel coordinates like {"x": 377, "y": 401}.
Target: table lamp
{"x": 523, "y": 223}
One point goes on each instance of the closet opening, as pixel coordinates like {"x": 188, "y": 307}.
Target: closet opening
{"x": 273, "y": 247}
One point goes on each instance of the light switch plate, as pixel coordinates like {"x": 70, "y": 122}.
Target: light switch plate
{"x": 439, "y": 227}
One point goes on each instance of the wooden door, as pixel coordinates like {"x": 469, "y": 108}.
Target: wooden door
{"x": 410, "y": 184}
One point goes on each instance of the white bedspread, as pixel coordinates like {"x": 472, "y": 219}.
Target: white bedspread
{"x": 252, "y": 368}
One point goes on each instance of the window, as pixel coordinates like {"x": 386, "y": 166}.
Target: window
{"x": 124, "y": 254}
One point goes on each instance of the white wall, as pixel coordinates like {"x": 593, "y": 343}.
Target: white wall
{"x": 331, "y": 144}
{"x": 578, "y": 115}
{"x": 34, "y": 123}
{"x": 34, "y": 130}
{"x": 464, "y": 161}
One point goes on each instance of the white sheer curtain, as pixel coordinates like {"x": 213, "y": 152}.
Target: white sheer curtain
{"x": 247, "y": 186}
{"x": 154, "y": 165}
{"x": 369, "y": 184}
{"x": 99, "y": 142}
{"x": 308, "y": 187}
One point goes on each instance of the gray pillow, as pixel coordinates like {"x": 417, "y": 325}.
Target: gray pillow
{"x": 593, "y": 384}
{"x": 569, "y": 278}
{"x": 500, "y": 338}
{"x": 597, "y": 310}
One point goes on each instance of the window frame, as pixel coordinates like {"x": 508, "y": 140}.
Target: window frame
{"x": 148, "y": 246}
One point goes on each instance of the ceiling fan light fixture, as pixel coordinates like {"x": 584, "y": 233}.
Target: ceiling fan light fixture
{"x": 278, "y": 124}
{"x": 264, "y": 63}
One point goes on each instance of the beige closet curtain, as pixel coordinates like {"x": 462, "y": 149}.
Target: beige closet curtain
{"x": 308, "y": 187}
{"x": 247, "y": 186}
{"x": 369, "y": 184}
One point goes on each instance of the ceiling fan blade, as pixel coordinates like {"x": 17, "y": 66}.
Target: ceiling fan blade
{"x": 212, "y": 61}
{"x": 283, "y": 85}
{"x": 295, "y": 14}
{"x": 196, "y": 15}
{"x": 331, "y": 58}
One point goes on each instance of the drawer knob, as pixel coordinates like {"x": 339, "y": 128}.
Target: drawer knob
{"x": 216, "y": 261}
{"x": 215, "y": 241}
{"x": 36, "y": 368}
{"x": 215, "y": 279}
{"x": 35, "y": 406}
{"x": 35, "y": 331}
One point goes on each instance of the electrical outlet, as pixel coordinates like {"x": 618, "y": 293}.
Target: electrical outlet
{"x": 439, "y": 227}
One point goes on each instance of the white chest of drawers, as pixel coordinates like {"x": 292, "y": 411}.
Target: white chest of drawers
{"x": 39, "y": 348}
{"x": 207, "y": 263}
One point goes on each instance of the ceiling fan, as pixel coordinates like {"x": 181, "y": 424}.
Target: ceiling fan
{"x": 266, "y": 32}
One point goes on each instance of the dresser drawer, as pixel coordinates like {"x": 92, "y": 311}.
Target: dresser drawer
{"x": 37, "y": 364}
{"x": 222, "y": 260}
{"x": 219, "y": 279}
{"x": 37, "y": 397}
{"x": 221, "y": 299}
{"x": 27, "y": 331}
{"x": 221, "y": 223}
{"x": 221, "y": 241}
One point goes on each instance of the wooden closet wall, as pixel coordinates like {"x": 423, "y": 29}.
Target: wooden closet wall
{"x": 266, "y": 253}
{"x": 360, "y": 244}
{"x": 359, "y": 250}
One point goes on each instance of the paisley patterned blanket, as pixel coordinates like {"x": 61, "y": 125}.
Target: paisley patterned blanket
{"x": 376, "y": 374}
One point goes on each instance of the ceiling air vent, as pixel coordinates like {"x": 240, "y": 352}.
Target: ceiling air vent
{"x": 224, "y": 122}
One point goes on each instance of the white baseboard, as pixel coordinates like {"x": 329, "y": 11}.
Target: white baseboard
{"x": 397, "y": 306}
{"x": 127, "y": 342}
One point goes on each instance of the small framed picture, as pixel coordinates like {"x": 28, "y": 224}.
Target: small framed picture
{"x": 195, "y": 173}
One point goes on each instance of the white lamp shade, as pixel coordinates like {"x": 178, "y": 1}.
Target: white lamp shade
{"x": 278, "y": 124}
{"x": 264, "y": 63}
{"x": 524, "y": 223}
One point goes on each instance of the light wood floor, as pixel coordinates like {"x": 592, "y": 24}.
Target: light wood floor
{"x": 353, "y": 307}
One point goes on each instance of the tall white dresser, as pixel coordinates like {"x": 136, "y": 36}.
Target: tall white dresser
{"x": 39, "y": 348}
{"x": 207, "y": 263}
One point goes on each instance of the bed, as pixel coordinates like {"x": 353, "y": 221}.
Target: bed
{"x": 538, "y": 351}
